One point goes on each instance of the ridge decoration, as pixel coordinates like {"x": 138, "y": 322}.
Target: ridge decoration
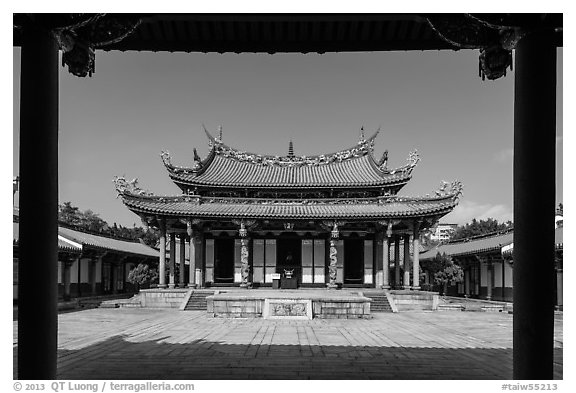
{"x": 455, "y": 190}
{"x": 363, "y": 147}
{"x": 129, "y": 187}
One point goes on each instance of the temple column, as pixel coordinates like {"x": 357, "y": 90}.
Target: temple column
{"x": 396, "y": 261}
{"x": 182, "y": 261}
{"x": 385, "y": 263}
{"x": 162, "y": 262}
{"x": 416, "y": 258}
{"x": 38, "y": 232}
{"x": 191, "y": 256}
{"x": 534, "y": 205}
{"x": 172, "y": 271}
{"x": 466, "y": 282}
{"x": 66, "y": 265}
{"x": 114, "y": 277}
{"x": 92, "y": 275}
{"x": 379, "y": 261}
{"x": 245, "y": 267}
{"x": 490, "y": 281}
{"x": 406, "y": 280}
{"x": 333, "y": 255}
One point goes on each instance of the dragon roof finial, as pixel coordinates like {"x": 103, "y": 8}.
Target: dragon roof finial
{"x": 124, "y": 186}
{"x": 165, "y": 155}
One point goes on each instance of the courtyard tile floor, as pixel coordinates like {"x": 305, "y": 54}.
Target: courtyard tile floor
{"x": 169, "y": 344}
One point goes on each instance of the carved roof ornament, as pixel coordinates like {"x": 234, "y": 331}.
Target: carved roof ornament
{"x": 383, "y": 162}
{"x": 453, "y": 189}
{"x": 167, "y": 160}
{"x": 129, "y": 187}
{"x": 413, "y": 159}
{"x": 495, "y": 36}
{"x": 361, "y": 149}
{"x": 78, "y": 36}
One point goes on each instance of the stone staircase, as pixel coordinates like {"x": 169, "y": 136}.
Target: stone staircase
{"x": 379, "y": 301}
{"x": 197, "y": 300}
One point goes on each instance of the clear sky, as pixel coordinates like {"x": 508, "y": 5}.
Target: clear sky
{"x": 137, "y": 104}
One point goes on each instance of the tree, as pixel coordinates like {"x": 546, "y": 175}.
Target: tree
{"x": 445, "y": 271}
{"x": 142, "y": 274}
{"x": 480, "y": 227}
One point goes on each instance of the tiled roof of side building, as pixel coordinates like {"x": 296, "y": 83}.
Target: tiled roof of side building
{"x": 62, "y": 245}
{"x": 322, "y": 209}
{"x": 471, "y": 246}
{"x": 229, "y": 167}
{"x": 92, "y": 240}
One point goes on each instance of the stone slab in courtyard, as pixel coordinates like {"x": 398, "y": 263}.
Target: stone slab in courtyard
{"x": 170, "y": 344}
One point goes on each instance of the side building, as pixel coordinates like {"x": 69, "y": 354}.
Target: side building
{"x": 90, "y": 264}
{"x": 488, "y": 265}
{"x": 325, "y": 220}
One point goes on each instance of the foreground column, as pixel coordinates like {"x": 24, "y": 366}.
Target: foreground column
{"x": 534, "y": 206}
{"x": 162, "y": 262}
{"x": 172, "y": 272}
{"x": 182, "y": 260}
{"x": 38, "y": 229}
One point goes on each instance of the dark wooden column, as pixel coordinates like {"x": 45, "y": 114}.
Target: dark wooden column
{"x": 534, "y": 206}
{"x": 38, "y": 264}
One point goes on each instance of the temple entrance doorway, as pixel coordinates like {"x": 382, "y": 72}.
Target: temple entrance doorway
{"x": 224, "y": 261}
{"x": 289, "y": 257}
{"x": 353, "y": 261}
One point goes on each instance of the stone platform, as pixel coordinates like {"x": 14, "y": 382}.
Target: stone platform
{"x": 289, "y": 304}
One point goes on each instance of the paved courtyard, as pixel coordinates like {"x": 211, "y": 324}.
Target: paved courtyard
{"x": 169, "y": 344}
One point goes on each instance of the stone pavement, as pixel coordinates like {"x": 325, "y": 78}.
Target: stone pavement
{"x": 169, "y": 344}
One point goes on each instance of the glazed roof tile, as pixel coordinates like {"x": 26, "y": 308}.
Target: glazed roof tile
{"x": 558, "y": 242}
{"x": 472, "y": 246}
{"x": 229, "y": 167}
{"x": 106, "y": 243}
{"x": 62, "y": 245}
{"x": 281, "y": 209}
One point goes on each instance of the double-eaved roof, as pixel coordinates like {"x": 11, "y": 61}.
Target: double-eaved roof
{"x": 354, "y": 170}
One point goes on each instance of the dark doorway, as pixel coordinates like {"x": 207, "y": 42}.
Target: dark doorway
{"x": 224, "y": 261}
{"x": 353, "y": 261}
{"x": 289, "y": 257}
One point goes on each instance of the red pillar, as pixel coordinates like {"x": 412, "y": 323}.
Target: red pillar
{"x": 534, "y": 206}
{"x": 38, "y": 264}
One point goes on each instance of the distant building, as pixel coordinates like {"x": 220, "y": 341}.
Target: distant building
{"x": 443, "y": 232}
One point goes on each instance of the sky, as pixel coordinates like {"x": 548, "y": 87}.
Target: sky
{"x": 138, "y": 104}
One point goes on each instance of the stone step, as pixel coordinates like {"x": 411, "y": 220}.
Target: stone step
{"x": 379, "y": 302}
{"x": 197, "y": 300}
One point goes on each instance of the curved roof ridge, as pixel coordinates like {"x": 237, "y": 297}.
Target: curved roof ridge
{"x": 364, "y": 146}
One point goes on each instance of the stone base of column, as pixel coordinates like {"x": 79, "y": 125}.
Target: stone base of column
{"x": 379, "y": 278}
{"x": 171, "y": 286}
{"x": 415, "y": 288}
{"x": 405, "y": 287}
{"x": 385, "y": 287}
{"x": 162, "y": 286}
{"x": 191, "y": 285}
{"x": 245, "y": 285}
{"x": 332, "y": 286}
